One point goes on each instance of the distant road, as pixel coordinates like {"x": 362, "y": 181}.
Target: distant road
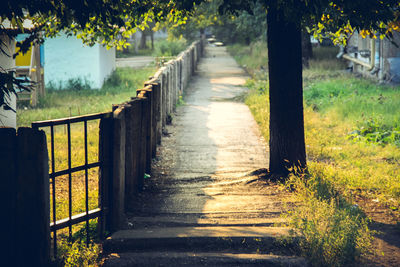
{"x": 135, "y": 62}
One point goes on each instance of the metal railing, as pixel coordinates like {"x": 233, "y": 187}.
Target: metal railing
{"x": 71, "y": 220}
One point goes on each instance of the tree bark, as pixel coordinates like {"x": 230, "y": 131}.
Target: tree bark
{"x": 306, "y": 48}
{"x": 143, "y": 40}
{"x": 152, "y": 40}
{"x": 287, "y": 146}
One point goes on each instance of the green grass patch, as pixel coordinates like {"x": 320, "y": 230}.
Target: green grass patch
{"x": 74, "y": 101}
{"x": 372, "y": 109}
{"x": 79, "y": 100}
{"x": 253, "y": 58}
{"x": 120, "y": 87}
{"x": 351, "y": 128}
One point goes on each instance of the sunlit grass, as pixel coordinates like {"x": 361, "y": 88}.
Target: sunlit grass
{"x": 120, "y": 87}
{"x": 337, "y": 104}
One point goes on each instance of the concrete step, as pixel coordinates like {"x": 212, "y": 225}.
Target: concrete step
{"x": 200, "y": 259}
{"x": 201, "y": 239}
{"x": 201, "y": 220}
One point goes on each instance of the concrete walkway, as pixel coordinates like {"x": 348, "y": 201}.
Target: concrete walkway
{"x": 203, "y": 196}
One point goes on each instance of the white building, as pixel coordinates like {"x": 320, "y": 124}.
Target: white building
{"x": 67, "y": 58}
{"x": 379, "y": 59}
{"x": 7, "y": 63}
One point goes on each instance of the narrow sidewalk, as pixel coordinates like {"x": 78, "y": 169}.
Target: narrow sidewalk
{"x": 202, "y": 190}
{"x": 211, "y": 147}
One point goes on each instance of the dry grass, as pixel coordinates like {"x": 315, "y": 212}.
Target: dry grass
{"x": 58, "y": 104}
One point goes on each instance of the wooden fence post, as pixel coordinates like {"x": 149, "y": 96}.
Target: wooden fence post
{"x": 106, "y": 173}
{"x": 142, "y": 142}
{"x": 180, "y": 76}
{"x": 158, "y": 104}
{"x": 164, "y": 92}
{"x": 155, "y": 107}
{"x": 154, "y": 115}
{"x": 133, "y": 132}
{"x": 8, "y": 190}
{"x": 168, "y": 90}
{"x": 148, "y": 93}
{"x": 33, "y": 199}
{"x": 145, "y": 161}
{"x": 176, "y": 85}
{"x": 119, "y": 141}
{"x": 149, "y": 129}
{"x": 130, "y": 154}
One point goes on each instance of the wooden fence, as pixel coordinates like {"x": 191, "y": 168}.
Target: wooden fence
{"x": 127, "y": 143}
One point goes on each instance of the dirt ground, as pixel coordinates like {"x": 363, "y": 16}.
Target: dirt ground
{"x": 386, "y": 245}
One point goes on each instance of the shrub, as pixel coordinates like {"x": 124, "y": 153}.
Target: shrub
{"x": 169, "y": 48}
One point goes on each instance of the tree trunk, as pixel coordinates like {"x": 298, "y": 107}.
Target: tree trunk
{"x": 125, "y": 50}
{"x": 287, "y": 146}
{"x": 152, "y": 40}
{"x": 306, "y": 48}
{"x": 143, "y": 40}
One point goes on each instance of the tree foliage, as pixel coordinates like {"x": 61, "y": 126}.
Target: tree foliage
{"x": 336, "y": 19}
{"x": 241, "y": 26}
{"x": 94, "y": 21}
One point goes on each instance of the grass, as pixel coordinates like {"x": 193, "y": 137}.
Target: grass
{"x": 335, "y": 232}
{"x": 351, "y": 128}
{"x": 253, "y": 58}
{"x": 120, "y": 87}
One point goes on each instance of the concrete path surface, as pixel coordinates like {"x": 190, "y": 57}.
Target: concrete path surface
{"x": 204, "y": 195}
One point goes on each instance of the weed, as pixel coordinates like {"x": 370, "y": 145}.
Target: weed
{"x": 373, "y": 133}
{"x": 75, "y": 251}
{"x": 78, "y": 254}
{"x": 180, "y": 102}
{"x": 334, "y": 232}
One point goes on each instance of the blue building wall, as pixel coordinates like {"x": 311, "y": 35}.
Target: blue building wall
{"x": 67, "y": 58}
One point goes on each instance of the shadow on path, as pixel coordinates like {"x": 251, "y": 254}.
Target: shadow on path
{"x": 212, "y": 144}
{"x": 202, "y": 205}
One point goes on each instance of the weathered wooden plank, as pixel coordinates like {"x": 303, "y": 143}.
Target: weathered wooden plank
{"x": 33, "y": 195}
{"x": 8, "y": 189}
{"x": 105, "y": 173}
{"x": 119, "y": 141}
